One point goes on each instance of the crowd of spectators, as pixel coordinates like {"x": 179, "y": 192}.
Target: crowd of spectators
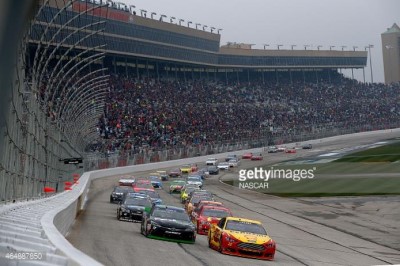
{"x": 169, "y": 112}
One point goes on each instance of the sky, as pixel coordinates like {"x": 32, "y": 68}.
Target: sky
{"x": 290, "y": 22}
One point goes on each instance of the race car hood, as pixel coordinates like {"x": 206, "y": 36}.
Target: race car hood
{"x": 134, "y": 207}
{"x": 173, "y": 223}
{"x": 197, "y": 183}
{"x": 249, "y": 237}
{"x": 213, "y": 220}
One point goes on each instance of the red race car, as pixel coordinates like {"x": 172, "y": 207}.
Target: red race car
{"x": 256, "y": 157}
{"x": 293, "y": 150}
{"x": 247, "y": 155}
{"x": 209, "y": 215}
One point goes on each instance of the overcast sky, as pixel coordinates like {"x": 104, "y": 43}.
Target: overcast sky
{"x": 298, "y": 22}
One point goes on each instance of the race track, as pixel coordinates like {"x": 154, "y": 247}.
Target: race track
{"x": 307, "y": 231}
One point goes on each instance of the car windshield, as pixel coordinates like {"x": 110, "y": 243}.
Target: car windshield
{"x": 123, "y": 189}
{"x": 186, "y": 166}
{"x": 215, "y": 213}
{"x": 247, "y": 227}
{"x": 194, "y": 178}
{"x": 173, "y": 214}
{"x": 197, "y": 199}
{"x": 137, "y": 202}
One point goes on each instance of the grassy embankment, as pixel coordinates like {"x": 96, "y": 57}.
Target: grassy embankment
{"x": 374, "y": 171}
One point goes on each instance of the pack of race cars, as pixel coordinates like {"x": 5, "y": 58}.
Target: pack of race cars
{"x": 201, "y": 214}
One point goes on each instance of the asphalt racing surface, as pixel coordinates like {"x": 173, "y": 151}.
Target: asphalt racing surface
{"x": 326, "y": 231}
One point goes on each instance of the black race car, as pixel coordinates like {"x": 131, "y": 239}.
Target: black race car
{"x": 213, "y": 170}
{"x": 168, "y": 223}
{"x": 118, "y": 192}
{"x": 133, "y": 208}
{"x": 307, "y": 146}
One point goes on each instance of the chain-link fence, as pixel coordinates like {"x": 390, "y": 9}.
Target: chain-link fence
{"x": 58, "y": 86}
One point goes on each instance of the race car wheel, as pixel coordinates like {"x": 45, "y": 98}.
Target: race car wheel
{"x": 118, "y": 215}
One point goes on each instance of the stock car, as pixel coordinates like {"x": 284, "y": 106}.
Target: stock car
{"x": 247, "y": 155}
{"x": 241, "y": 237}
{"x": 203, "y": 173}
{"x": 307, "y": 146}
{"x": 163, "y": 174}
{"x": 213, "y": 170}
{"x": 194, "y": 180}
{"x": 272, "y": 149}
{"x": 231, "y": 157}
{"x": 176, "y": 172}
{"x": 118, "y": 193}
{"x": 208, "y": 215}
{"x": 132, "y": 208}
{"x": 194, "y": 168}
{"x": 211, "y": 161}
{"x": 186, "y": 169}
{"x": 143, "y": 186}
{"x": 126, "y": 181}
{"x": 155, "y": 180}
{"x": 234, "y": 162}
{"x": 176, "y": 186}
{"x": 168, "y": 223}
{"x": 223, "y": 166}
{"x": 293, "y": 150}
{"x": 256, "y": 157}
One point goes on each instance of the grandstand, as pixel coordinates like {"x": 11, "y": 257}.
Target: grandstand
{"x": 141, "y": 46}
{"x": 78, "y": 87}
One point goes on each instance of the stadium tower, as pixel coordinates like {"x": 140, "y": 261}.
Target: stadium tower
{"x": 391, "y": 53}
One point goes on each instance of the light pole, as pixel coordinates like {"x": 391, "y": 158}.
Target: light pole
{"x": 180, "y": 22}
{"x": 171, "y": 20}
{"x": 370, "y": 60}
{"x": 305, "y": 46}
{"x": 132, "y": 9}
{"x": 189, "y": 22}
{"x": 266, "y": 45}
{"x": 343, "y": 46}
{"x": 162, "y": 16}
{"x": 352, "y": 73}
{"x": 319, "y": 46}
{"x": 204, "y": 27}
{"x": 279, "y": 45}
{"x": 152, "y": 14}
{"x": 142, "y": 11}
{"x": 331, "y": 46}
{"x": 219, "y": 30}
{"x": 197, "y": 24}
{"x": 293, "y": 45}
{"x": 212, "y": 29}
